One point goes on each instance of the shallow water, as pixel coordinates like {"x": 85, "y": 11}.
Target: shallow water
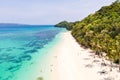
{"x": 19, "y": 45}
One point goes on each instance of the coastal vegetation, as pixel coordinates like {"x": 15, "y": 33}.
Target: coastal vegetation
{"x": 100, "y": 31}
{"x": 65, "y": 24}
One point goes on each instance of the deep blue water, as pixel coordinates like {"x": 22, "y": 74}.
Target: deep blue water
{"x": 19, "y": 43}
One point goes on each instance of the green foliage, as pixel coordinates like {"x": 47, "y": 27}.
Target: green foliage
{"x": 101, "y": 31}
{"x": 65, "y": 24}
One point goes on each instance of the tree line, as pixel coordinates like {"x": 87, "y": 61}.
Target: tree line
{"x": 99, "y": 31}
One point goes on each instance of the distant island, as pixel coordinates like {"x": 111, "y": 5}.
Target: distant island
{"x": 99, "y": 31}
{"x": 20, "y": 25}
{"x": 10, "y": 24}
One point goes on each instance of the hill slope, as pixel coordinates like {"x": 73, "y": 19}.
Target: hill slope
{"x": 101, "y": 31}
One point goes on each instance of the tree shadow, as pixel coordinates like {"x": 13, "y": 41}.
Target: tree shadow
{"x": 89, "y": 65}
{"x": 86, "y": 58}
{"x": 103, "y": 72}
{"x": 109, "y": 78}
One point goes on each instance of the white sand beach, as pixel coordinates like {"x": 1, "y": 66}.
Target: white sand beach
{"x": 69, "y": 61}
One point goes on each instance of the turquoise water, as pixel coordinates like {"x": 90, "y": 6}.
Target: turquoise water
{"x": 20, "y": 44}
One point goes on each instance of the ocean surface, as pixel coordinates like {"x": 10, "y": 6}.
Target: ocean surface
{"x": 21, "y": 46}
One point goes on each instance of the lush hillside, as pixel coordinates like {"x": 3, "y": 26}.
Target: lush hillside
{"x": 65, "y": 24}
{"x": 101, "y": 31}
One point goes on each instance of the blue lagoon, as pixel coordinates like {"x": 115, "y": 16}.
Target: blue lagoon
{"x": 21, "y": 46}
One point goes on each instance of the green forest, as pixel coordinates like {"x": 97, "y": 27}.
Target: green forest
{"x": 100, "y": 31}
{"x": 65, "y": 24}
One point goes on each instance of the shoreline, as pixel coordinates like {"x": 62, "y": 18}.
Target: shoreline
{"x": 39, "y": 66}
{"x": 67, "y": 60}
{"x": 70, "y": 61}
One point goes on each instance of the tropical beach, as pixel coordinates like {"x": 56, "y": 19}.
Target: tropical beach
{"x": 60, "y": 40}
{"x": 70, "y": 61}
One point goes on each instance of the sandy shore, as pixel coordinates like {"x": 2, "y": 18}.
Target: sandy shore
{"x": 69, "y": 61}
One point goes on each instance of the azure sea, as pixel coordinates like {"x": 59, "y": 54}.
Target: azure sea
{"x": 19, "y": 44}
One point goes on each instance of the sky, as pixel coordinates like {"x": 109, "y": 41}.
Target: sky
{"x": 48, "y": 11}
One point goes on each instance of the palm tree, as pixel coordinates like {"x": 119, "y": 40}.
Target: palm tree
{"x": 110, "y": 52}
{"x": 118, "y": 48}
{"x": 119, "y": 61}
{"x": 118, "y": 52}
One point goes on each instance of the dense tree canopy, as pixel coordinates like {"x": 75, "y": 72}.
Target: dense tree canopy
{"x": 65, "y": 24}
{"x": 101, "y": 31}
